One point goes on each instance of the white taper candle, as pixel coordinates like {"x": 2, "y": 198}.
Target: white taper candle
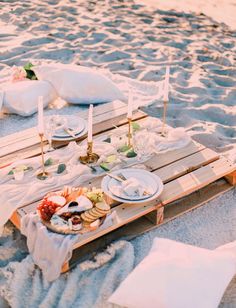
{"x": 90, "y": 124}
{"x": 130, "y": 105}
{"x": 40, "y": 115}
{"x": 166, "y": 85}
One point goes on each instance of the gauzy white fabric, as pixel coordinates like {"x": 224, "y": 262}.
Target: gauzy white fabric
{"x": 176, "y": 275}
{"x": 79, "y": 84}
{"x": 174, "y": 139}
{"x": 50, "y": 250}
{"x": 16, "y": 193}
{"x": 30, "y": 189}
{"x": 21, "y": 97}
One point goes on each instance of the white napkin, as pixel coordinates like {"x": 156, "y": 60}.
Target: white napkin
{"x": 132, "y": 187}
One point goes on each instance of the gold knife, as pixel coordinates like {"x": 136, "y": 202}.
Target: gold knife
{"x": 69, "y": 132}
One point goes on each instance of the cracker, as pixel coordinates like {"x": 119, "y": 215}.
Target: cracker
{"x": 102, "y": 206}
{"x": 87, "y": 218}
{"x": 92, "y": 214}
{"x": 96, "y": 213}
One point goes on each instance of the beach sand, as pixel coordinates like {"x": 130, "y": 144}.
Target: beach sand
{"x": 219, "y": 10}
{"x": 138, "y": 42}
{"x": 135, "y": 41}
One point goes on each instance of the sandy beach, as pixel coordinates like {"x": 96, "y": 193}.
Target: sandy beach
{"x": 200, "y": 51}
{"x": 136, "y": 41}
{"x": 222, "y": 11}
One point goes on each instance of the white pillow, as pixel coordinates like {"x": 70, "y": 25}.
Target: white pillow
{"x": 175, "y": 275}
{"x": 22, "y": 97}
{"x": 78, "y": 84}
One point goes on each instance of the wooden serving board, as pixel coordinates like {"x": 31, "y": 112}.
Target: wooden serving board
{"x": 184, "y": 172}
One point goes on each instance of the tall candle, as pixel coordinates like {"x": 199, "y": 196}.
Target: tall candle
{"x": 166, "y": 85}
{"x": 40, "y": 115}
{"x": 130, "y": 105}
{"x": 90, "y": 124}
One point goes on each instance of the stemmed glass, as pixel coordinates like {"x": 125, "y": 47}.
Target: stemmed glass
{"x": 54, "y": 123}
{"x": 141, "y": 145}
{"x": 51, "y": 126}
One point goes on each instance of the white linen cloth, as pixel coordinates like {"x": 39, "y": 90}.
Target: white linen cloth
{"x": 16, "y": 193}
{"x": 148, "y": 140}
{"x": 30, "y": 189}
{"x": 176, "y": 275}
{"x": 50, "y": 250}
{"x": 79, "y": 84}
{"x": 154, "y": 142}
{"x": 21, "y": 97}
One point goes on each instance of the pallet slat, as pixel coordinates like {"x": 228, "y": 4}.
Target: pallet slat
{"x": 31, "y": 132}
{"x": 179, "y": 167}
{"x": 98, "y": 118}
{"x": 142, "y": 225}
{"x": 187, "y": 164}
{"x": 172, "y": 191}
{"x": 25, "y": 150}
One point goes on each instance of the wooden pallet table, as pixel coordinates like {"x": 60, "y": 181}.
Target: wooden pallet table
{"x": 191, "y": 176}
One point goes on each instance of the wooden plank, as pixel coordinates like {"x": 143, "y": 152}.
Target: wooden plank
{"x": 166, "y": 173}
{"x": 98, "y": 127}
{"x": 161, "y": 160}
{"x": 31, "y": 132}
{"x": 196, "y": 180}
{"x": 143, "y": 225}
{"x": 186, "y": 164}
{"x": 167, "y": 168}
{"x": 100, "y": 121}
{"x": 156, "y": 217}
{"x": 173, "y": 190}
{"x": 16, "y": 219}
{"x": 231, "y": 178}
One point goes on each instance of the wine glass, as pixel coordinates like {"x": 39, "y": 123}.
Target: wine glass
{"x": 50, "y": 130}
{"x": 141, "y": 145}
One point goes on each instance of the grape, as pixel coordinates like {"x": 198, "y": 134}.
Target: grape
{"x": 47, "y": 209}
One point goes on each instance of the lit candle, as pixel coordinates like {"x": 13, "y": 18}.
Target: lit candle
{"x": 166, "y": 85}
{"x": 130, "y": 105}
{"x": 40, "y": 115}
{"x": 90, "y": 124}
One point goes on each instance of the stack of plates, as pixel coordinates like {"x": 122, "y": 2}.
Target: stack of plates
{"x": 78, "y": 127}
{"x": 151, "y": 182}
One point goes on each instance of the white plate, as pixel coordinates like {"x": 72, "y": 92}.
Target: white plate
{"x": 75, "y": 123}
{"x": 147, "y": 182}
{"x": 70, "y": 138}
{"x": 153, "y": 180}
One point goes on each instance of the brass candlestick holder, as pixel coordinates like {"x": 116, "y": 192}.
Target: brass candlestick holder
{"x": 91, "y": 157}
{"x": 164, "y": 119}
{"x": 44, "y": 174}
{"x": 129, "y": 132}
